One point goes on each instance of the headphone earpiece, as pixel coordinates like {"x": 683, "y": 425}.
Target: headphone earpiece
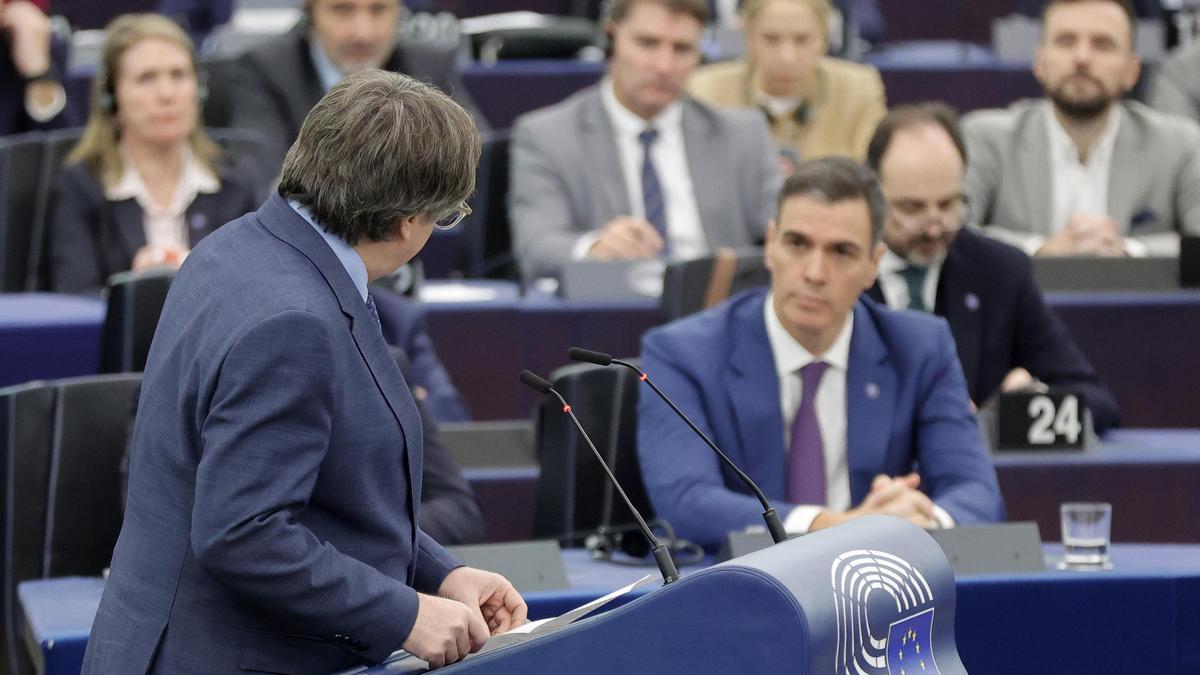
{"x": 801, "y": 114}
{"x": 106, "y": 101}
{"x": 201, "y": 86}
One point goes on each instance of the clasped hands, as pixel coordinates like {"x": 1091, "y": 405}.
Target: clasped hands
{"x": 626, "y": 238}
{"x": 471, "y": 606}
{"x": 1086, "y": 234}
{"x": 889, "y": 496}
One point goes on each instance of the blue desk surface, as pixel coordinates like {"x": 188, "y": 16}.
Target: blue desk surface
{"x": 1127, "y": 465}
{"x": 1140, "y": 617}
{"x": 45, "y": 336}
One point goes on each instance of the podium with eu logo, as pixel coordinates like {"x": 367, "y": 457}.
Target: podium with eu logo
{"x": 874, "y": 596}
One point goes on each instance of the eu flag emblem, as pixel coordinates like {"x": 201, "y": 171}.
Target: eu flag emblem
{"x": 910, "y": 646}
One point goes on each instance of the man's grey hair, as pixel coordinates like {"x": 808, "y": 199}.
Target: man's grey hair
{"x": 378, "y": 148}
{"x": 836, "y": 179}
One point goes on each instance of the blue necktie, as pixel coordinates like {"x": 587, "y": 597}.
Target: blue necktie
{"x": 374, "y": 312}
{"x": 806, "y": 450}
{"x": 652, "y": 194}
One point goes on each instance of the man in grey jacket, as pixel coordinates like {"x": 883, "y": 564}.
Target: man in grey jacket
{"x": 632, "y": 168}
{"x": 1083, "y": 172}
{"x": 1176, "y": 87}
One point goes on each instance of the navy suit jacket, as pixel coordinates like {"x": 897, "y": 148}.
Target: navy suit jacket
{"x": 986, "y": 291}
{"x": 275, "y": 475}
{"x": 92, "y": 238}
{"x": 906, "y": 405}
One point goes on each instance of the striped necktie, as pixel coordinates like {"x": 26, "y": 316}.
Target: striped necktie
{"x": 652, "y": 194}
{"x": 374, "y": 312}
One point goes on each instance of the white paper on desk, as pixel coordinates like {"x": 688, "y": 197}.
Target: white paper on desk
{"x": 403, "y": 661}
{"x": 546, "y": 626}
{"x": 451, "y": 292}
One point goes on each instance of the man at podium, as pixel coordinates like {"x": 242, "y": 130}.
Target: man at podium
{"x": 837, "y": 406}
{"x": 276, "y": 462}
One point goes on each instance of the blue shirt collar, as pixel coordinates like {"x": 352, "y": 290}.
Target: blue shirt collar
{"x": 355, "y": 267}
{"x": 327, "y": 71}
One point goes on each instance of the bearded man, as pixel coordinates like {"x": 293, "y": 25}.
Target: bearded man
{"x": 1082, "y": 172}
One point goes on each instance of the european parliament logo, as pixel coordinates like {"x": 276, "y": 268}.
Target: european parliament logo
{"x": 884, "y": 615}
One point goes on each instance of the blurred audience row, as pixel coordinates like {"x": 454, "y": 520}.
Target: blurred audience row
{"x": 662, "y": 158}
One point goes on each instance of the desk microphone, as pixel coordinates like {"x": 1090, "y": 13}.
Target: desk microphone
{"x": 770, "y": 516}
{"x": 662, "y": 556}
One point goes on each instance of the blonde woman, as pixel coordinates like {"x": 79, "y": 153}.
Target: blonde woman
{"x": 816, "y": 105}
{"x": 145, "y": 183}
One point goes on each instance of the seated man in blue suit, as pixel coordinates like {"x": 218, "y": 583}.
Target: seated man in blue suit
{"x": 275, "y": 474}
{"x": 1006, "y": 335}
{"x": 837, "y": 407}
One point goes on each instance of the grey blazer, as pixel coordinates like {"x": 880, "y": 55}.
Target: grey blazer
{"x": 566, "y": 177}
{"x": 1176, "y": 84}
{"x": 1154, "y": 184}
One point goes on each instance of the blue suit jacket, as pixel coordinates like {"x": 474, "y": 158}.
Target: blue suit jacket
{"x": 275, "y": 473}
{"x": 906, "y": 405}
{"x": 986, "y": 291}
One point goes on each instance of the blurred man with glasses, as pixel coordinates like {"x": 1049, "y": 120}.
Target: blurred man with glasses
{"x": 1006, "y": 336}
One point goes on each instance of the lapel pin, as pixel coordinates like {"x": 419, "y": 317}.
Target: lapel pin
{"x": 198, "y": 221}
{"x": 972, "y": 301}
{"x": 872, "y": 390}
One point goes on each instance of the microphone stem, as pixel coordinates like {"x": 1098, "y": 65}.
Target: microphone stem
{"x": 661, "y": 555}
{"x": 770, "y": 515}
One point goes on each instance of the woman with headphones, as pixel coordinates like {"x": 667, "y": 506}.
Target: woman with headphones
{"x": 145, "y": 183}
{"x": 816, "y": 105}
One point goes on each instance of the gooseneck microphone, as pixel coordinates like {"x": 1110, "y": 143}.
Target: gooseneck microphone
{"x": 662, "y": 556}
{"x": 770, "y": 515}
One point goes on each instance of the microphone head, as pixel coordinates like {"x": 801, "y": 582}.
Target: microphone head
{"x": 534, "y": 382}
{"x": 589, "y": 356}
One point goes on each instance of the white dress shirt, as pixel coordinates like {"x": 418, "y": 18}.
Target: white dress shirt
{"x": 1077, "y": 187}
{"x": 669, "y": 154}
{"x": 830, "y": 406}
{"x": 895, "y": 288}
{"x": 165, "y": 226}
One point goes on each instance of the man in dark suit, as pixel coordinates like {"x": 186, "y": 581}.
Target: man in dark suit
{"x": 278, "y": 82}
{"x": 274, "y": 483}
{"x": 829, "y": 401}
{"x": 31, "y": 65}
{"x": 1006, "y": 336}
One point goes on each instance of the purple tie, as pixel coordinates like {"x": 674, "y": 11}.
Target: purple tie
{"x": 806, "y": 452}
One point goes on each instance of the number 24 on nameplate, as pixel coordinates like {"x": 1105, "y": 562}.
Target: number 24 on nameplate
{"x": 1050, "y": 423}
